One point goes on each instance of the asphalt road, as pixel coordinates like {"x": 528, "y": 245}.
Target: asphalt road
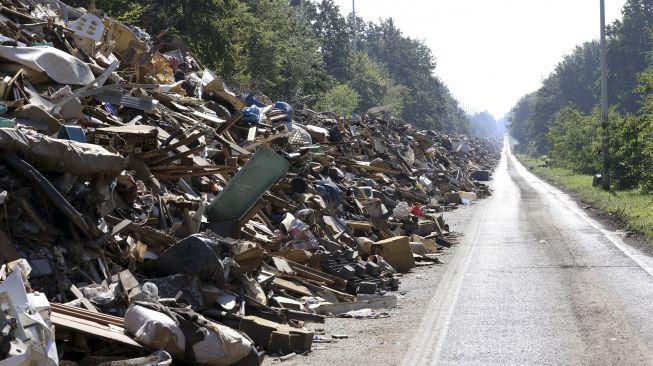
{"x": 536, "y": 281}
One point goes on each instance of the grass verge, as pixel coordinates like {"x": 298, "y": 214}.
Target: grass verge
{"x": 632, "y": 207}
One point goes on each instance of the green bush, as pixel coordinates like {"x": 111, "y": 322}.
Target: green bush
{"x": 341, "y": 99}
{"x": 575, "y": 140}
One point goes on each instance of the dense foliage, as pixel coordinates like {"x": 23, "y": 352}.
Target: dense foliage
{"x": 303, "y": 54}
{"x": 561, "y": 118}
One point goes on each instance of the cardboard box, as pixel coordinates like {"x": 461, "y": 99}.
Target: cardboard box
{"x": 395, "y": 251}
{"x": 275, "y": 337}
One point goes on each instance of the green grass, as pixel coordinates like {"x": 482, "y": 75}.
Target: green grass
{"x": 633, "y": 207}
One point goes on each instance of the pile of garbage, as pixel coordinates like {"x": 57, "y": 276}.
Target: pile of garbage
{"x": 148, "y": 213}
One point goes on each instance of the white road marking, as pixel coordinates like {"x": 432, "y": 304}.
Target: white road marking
{"x": 613, "y": 237}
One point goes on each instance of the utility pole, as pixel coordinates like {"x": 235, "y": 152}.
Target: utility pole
{"x": 353, "y": 14}
{"x": 605, "y": 147}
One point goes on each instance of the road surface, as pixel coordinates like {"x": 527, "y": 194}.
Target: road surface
{"x": 537, "y": 282}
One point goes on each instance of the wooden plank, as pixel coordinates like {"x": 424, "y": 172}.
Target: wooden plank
{"x": 233, "y": 146}
{"x": 358, "y": 224}
{"x": 282, "y": 265}
{"x": 170, "y": 159}
{"x": 208, "y": 117}
{"x": 292, "y": 287}
{"x": 17, "y": 13}
{"x": 305, "y": 268}
{"x": 78, "y": 294}
{"x": 279, "y": 202}
{"x": 162, "y": 151}
{"x": 230, "y": 122}
{"x": 100, "y": 318}
{"x": 277, "y": 117}
{"x": 315, "y": 277}
{"x": 149, "y": 235}
{"x": 251, "y": 213}
{"x": 127, "y": 280}
{"x": 366, "y": 166}
{"x": 385, "y": 302}
{"x": 254, "y": 145}
{"x": 342, "y": 296}
{"x": 197, "y": 160}
{"x": 117, "y": 228}
{"x": 91, "y": 328}
{"x": 10, "y": 84}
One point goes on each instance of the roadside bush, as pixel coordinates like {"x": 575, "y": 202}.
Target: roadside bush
{"x": 575, "y": 140}
{"x": 627, "y": 151}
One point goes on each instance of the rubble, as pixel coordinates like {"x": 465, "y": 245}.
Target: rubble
{"x": 156, "y": 210}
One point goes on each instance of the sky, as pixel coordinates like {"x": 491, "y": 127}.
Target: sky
{"x": 492, "y": 52}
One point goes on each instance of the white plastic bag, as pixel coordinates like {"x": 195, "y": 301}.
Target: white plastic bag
{"x": 402, "y": 210}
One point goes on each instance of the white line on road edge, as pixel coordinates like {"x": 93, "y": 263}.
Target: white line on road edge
{"x": 571, "y": 205}
{"x": 445, "y": 319}
{"x": 427, "y": 342}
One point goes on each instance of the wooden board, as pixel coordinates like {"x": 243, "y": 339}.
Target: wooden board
{"x": 292, "y": 287}
{"x": 91, "y": 328}
{"x": 385, "y": 302}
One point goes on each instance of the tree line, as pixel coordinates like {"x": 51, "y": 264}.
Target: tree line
{"x": 561, "y": 119}
{"x": 302, "y": 52}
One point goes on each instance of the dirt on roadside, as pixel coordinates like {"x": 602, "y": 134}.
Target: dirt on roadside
{"x": 382, "y": 341}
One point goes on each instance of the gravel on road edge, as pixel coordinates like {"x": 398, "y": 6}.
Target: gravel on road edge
{"x": 383, "y": 341}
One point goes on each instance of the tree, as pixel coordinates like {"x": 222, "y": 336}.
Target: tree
{"x": 410, "y": 63}
{"x": 284, "y": 56}
{"x": 578, "y": 75}
{"x": 484, "y": 124}
{"x": 341, "y": 99}
{"x": 301, "y": 52}
{"x": 574, "y": 82}
{"x": 518, "y": 120}
{"x": 332, "y": 30}
{"x": 370, "y": 81}
{"x": 628, "y": 50}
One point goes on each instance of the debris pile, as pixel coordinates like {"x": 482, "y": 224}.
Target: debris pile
{"x": 144, "y": 207}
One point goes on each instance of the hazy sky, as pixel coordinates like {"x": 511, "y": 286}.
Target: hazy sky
{"x": 491, "y": 52}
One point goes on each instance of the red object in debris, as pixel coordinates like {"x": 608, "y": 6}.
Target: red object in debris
{"x": 417, "y": 210}
{"x": 214, "y": 188}
{"x": 173, "y": 62}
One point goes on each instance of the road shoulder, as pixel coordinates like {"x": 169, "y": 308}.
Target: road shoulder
{"x": 614, "y": 221}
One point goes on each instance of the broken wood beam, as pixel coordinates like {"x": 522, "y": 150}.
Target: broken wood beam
{"x": 148, "y": 235}
{"x": 230, "y": 122}
{"x": 177, "y": 156}
{"x": 78, "y": 294}
{"x": 109, "y": 234}
{"x": 164, "y": 150}
{"x": 251, "y": 213}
